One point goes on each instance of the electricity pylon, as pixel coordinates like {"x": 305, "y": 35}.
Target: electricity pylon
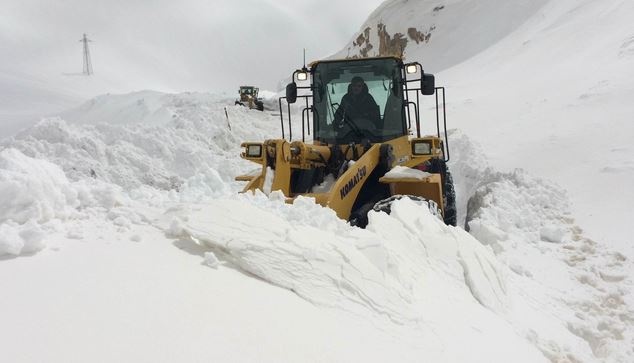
{"x": 87, "y": 63}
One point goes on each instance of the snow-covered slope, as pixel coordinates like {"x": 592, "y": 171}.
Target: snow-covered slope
{"x": 560, "y": 88}
{"x": 154, "y": 139}
{"x": 439, "y": 34}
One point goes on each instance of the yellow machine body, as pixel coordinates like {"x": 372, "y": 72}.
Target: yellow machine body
{"x": 249, "y": 97}
{"x": 343, "y": 192}
{"x": 362, "y": 129}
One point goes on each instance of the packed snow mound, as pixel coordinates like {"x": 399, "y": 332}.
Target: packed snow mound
{"x": 402, "y": 269}
{"x": 527, "y": 223}
{"x": 32, "y": 189}
{"x": 16, "y": 239}
{"x": 36, "y": 195}
{"x": 469, "y": 169}
{"x": 516, "y": 205}
{"x": 306, "y": 248}
{"x": 439, "y": 34}
{"x": 148, "y": 138}
{"x": 147, "y": 107}
{"x": 144, "y": 148}
{"x": 150, "y": 107}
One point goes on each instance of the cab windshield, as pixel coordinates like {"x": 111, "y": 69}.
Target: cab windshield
{"x": 358, "y": 100}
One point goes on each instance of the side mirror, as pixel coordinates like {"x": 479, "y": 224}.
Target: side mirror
{"x": 428, "y": 84}
{"x": 291, "y": 92}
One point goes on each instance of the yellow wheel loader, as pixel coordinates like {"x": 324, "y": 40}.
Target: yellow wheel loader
{"x": 249, "y": 98}
{"x": 362, "y": 155}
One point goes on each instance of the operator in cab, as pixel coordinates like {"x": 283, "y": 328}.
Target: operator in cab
{"x": 358, "y": 109}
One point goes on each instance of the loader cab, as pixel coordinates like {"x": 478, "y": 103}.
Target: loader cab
{"x": 339, "y": 119}
{"x": 324, "y": 92}
{"x": 248, "y": 91}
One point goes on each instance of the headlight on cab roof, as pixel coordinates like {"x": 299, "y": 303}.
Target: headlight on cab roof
{"x": 421, "y": 148}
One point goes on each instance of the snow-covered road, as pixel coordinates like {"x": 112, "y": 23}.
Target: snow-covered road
{"x": 530, "y": 282}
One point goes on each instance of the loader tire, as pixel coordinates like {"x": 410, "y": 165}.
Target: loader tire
{"x": 449, "y": 195}
{"x": 385, "y": 205}
{"x": 359, "y": 218}
{"x": 449, "y": 192}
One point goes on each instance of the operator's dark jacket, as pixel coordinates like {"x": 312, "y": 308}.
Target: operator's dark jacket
{"x": 361, "y": 106}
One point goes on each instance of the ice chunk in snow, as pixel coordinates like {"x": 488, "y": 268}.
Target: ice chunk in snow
{"x": 18, "y": 239}
{"x": 10, "y": 241}
{"x": 211, "y": 260}
{"x": 75, "y": 233}
{"x": 176, "y": 228}
{"x": 122, "y": 221}
{"x": 552, "y": 233}
{"x": 277, "y": 195}
{"x": 32, "y": 237}
{"x": 207, "y": 183}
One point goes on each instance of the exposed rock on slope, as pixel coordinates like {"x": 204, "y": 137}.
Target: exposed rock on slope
{"x": 418, "y": 28}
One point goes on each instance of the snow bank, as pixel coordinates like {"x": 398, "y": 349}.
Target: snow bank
{"x": 306, "y": 248}
{"x": 148, "y": 138}
{"x": 31, "y": 192}
{"x": 144, "y": 107}
{"x": 527, "y": 223}
{"x": 407, "y": 268}
{"x": 33, "y": 189}
{"x": 35, "y": 193}
{"x": 519, "y": 207}
{"x": 144, "y": 148}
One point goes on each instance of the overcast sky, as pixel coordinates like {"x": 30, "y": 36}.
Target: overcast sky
{"x": 205, "y": 45}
